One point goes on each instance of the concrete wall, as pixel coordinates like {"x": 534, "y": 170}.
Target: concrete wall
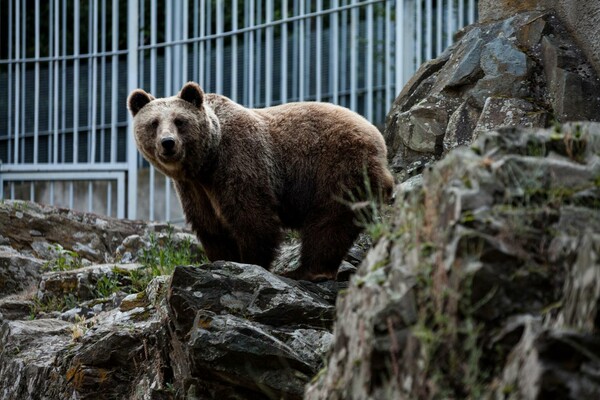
{"x": 582, "y": 17}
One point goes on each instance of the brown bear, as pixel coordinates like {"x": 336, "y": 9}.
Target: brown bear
{"x": 244, "y": 174}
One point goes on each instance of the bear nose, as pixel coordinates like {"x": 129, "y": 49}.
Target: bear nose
{"x": 168, "y": 143}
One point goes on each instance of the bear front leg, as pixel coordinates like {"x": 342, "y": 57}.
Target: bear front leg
{"x": 257, "y": 231}
{"x": 326, "y": 240}
{"x": 220, "y": 247}
{"x": 216, "y": 239}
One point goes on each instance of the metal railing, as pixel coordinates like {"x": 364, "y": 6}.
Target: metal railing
{"x": 66, "y": 67}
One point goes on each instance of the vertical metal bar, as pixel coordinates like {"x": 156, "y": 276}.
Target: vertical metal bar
{"x": 102, "y": 81}
{"x": 344, "y": 56}
{"x": 334, "y": 80}
{"x": 295, "y": 59}
{"x": 168, "y": 84}
{"x": 152, "y": 190}
{"x": 201, "y": 75}
{"x": 257, "y": 55}
{"x": 153, "y": 89}
{"x": 76, "y": 34}
{"x": 90, "y": 196}
{"x": 109, "y": 198}
{"x": 301, "y": 55}
{"x": 269, "y": 55}
{"x": 167, "y": 199}
{"x": 449, "y": 22}
{"x": 196, "y": 33}
{"x": 208, "y": 48}
{"x": 388, "y": 61}
{"x": 168, "y": 77}
{"x": 36, "y": 95}
{"x": 12, "y": 190}
{"x": 354, "y": 57}
{"x": 55, "y": 83}
{"x": 71, "y": 194}
{"x": 219, "y": 66}
{"x": 9, "y": 109}
{"x": 17, "y": 80}
{"x": 121, "y": 196}
{"x": 114, "y": 94}
{"x": 399, "y": 61}
{"x": 461, "y": 13}
{"x": 305, "y": 38}
{"x": 32, "y": 192}
{"x": 318, "y": 52}
{"x": 369, "y": 64}
{"x": 23, "y": 89}
{"x": 132, "y": 82}
{"x": 419, "y": 39}
{"x": 438, "y": 28}
{"x": 234, "y": 51}
{"x": 471, "y": 11}
{"x": 284, "y": 52}
{"x": 52, "y": 194}
{"x": 428, "y": 30}
{"x": 63, "y": 81}
{"x": 250, "y": 59}
{"x": 184, "y": 47}
{"x": 94, "y": 89}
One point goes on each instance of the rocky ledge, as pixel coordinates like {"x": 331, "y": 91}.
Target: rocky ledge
{"x": 97, "y": 308}
{"x": 486, "y": 282}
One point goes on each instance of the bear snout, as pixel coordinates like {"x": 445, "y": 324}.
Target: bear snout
{"x": 168, "y": 144}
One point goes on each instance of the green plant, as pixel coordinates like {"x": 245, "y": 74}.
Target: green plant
{"x": 65, "y": 260}
{"x": 163, "y": 255}
{"x": 52, "y": 303}
{"x": 106, "y": 286}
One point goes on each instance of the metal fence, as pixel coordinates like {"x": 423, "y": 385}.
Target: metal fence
{"x": 66, "y": 67}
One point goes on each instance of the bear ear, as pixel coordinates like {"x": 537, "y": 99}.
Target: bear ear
{"x": 138, "y": 99}
{"x": 192, "y": 93}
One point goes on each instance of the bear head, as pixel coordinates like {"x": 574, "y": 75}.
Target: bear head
{"x": 179, "y": 135}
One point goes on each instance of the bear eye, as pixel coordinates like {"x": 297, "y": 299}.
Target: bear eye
{"x": 154, "y": 124}
{"x": 179, "y": 122}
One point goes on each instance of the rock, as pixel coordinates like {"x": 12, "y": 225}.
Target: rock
{"x": 508, "y": 112}
{"x": 263, "y": 334}
{"x": 573, "y": 86}
{"x": 91, "y": 236}
{"x": 551, "y": 364}
{"x": 87, "y": 282}
{"x": 18, "y": 272}
{"x": 523, "y": 71}
{"x": 485, "y": 284}
{"x": 115, "y": 355}
{"x": 12, "y": 308}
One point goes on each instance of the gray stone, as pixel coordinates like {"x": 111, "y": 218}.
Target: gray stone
{"x": 18, "y": 272}
{"x": 82, "y": 283}
{"x": 506, "y": 70}
{"x": 490, "y": 260}
{"x": 573, "y": 86}
{"x": 467, "y": 67}
{"x": 263, "y": 334}
{"x": 461, "y": 125}
{"x": 500, "y": 112}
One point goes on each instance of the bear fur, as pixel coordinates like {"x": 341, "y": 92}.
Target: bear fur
{"x": 244, "y": 174}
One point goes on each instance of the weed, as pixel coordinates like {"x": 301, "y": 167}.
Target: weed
{"x": 161, "y": 257}
{"x": 106, "y": 286}
{"x": 52, "y": 303}
{"x": 66, "y": 260}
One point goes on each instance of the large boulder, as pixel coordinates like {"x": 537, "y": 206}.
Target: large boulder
{"x": 523, "y": 71}
{"x": 485, "y": 284}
